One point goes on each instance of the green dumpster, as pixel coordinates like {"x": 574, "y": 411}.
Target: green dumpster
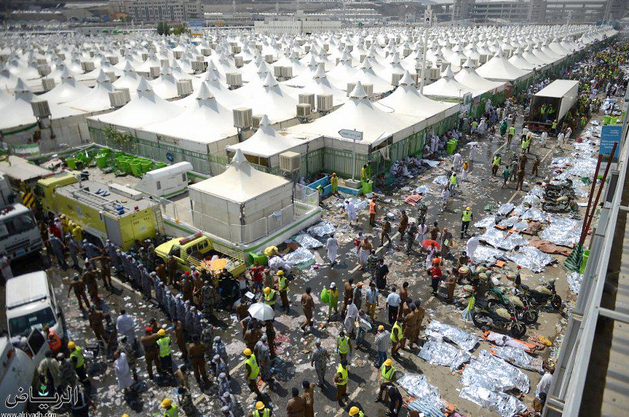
{"x": 255, "y": 257}
{"x": 367, "y": 187}
{"x": 136, "y": 169}
{"x": 71, "y": 163}
{"x": 147, "y": 166}
{"x": 451, "y": 146}
{"x": 159, "y": 165}
{"x": 101, "y": 161}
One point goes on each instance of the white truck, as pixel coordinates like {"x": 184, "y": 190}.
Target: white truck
{"x": 19, "y": 234}
{"x": 552, "y": 103}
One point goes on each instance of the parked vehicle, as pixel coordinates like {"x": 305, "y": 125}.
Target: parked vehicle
{"x": 542, "y": 294}
{"x": 498, "y": 318}
{"x": 524, "y": 311}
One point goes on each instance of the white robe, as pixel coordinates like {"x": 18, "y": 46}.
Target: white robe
{"x": 472, "y": 152}
{"x": 332, "y": 245}
{"x": 472, "y": 244}
{"x": 456, "y": 160}
{"x": 350, "y": 209}
{"x": 350, "y": 318}
{"x": 125, "y": 380}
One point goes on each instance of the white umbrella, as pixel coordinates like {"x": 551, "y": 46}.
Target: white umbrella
{"x": 472, "y": 143}
{"x": 261, "y": 312}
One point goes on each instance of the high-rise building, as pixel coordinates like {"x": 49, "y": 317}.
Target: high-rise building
{"x": 159, "y": 10}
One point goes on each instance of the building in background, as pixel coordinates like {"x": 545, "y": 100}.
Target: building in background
{"x": 159, "y": 10}
{"x": 296, "y": 24}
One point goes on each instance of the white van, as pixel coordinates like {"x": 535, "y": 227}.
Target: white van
{"x": 17, "y": 371}
{"x": 166, "y": 182}
{"x": 31, "y": 304}
{"x": 19, "y": 234}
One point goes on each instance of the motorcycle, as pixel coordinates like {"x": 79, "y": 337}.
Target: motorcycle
{"x": 560, "y": 205}
{"x": 523, "y": 311}
{"x": 499, "y": 318}
{"x": 541, "y": 295}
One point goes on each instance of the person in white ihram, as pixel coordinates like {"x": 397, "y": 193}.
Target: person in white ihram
{"x": 350, "y": 209}
{"x": 5, "y": 267}
{"x": 332, "y": 246}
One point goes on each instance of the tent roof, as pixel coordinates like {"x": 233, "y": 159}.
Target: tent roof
{"x": 499, "y": 68}
{"x": 447, "y": 86}
{"x": 68, "y": 90}
{"x": 266, "y": 142}
{"x": 98, "y": 97}
{"x": 470, "y": 78}
{"x": 240, "y": 182}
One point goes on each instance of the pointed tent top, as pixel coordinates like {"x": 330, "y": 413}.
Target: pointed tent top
{"x": 366, "y": 64}
{"x": 204, "y": 93}
{"x": 264, "y": 122}
{"x": 312, "y": 62}
{"x": 102, "y": 78}
{"x": 21, "y": 87}
{"x": 447, "y": 74}
{"x": 319, "y": 73}
{"x": 498, "y": 53}
{"x": 66, "y": 74}
{"x": 406, "y": 79}
{"x": 128, "y": 67}
{"x": 143, "y": 86}
{"x": 239, "y": 159}
{"x": 358, "y": 92}
{"x": 468, "y": 63}
{"x": 270, "y": 81}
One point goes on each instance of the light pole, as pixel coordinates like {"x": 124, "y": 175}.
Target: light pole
{"x": 427, "y": 23}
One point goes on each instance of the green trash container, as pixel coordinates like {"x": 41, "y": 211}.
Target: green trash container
{"x": 159, "y": 165}
{"x": 147, "y": 166}
{"x": 451, "y": 146}
{"x": 122, "y": 165}
{"x": 71, "y": 163}
{"x": 257, "y": 257}
{"x": 136, "y": 169}
{"x": 586, "y": 256}
{"x": 101, "y": 161}
{"x": 367, "y": 187}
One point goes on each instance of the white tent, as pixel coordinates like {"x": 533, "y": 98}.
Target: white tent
{"x": 366, "y": 75}
{"x": 470, "y": 78}
{"x": 18, "y": 112}
{"x": 321, "y": 85}
{"x": 448, "y": 87}
{"x": 98, "y": 97}
{"x": 129, "y": 79}
{"x": 499, "y": 69}
{"x": 222, "y": 94}
{"x": 165, "y": 86}
{"x": 68, "y": 90}
{"x": 273, "y": 100}
{"x": 520, "y": 62}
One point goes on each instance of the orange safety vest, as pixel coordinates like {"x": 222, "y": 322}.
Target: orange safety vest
{"x": 55, "y": 341}
{"x": 372, "y": 207}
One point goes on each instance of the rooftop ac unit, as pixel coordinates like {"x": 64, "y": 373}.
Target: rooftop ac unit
{"x": 368, "y": 89}
{"x": 238, "y": 61}
{"x": 307, "y": 48}
{"x": 184, "y": 88}
{"x": 350, "y": 88}
{"x": 41, "y": 61}
{"x": 199, "y": 66}
{"x": 199, "y": 58}
{"x": 154, "y": 72}
{"x": 326, "y": 47}
{"x": 43, "y": 69}
{"x": 243, "y": 118}
{"x": 127, "y": 94}
{"x": 176, "y": 54}
{"x": 117, "y": 99}
{"x": 206, "y": 51}
{"x": 113, "y": 60}
{"x": 362, "y": 57}
{"x": 324, "y": 103}
{"x": 395, "y": 79}
{"x": 434, "y": 74}
{"x": 111, "y": 75}
{"x": 236, "y": 49}
{"x": 483, "y": 58}
{"x": 62, "y": 56}
{"x": 259, "y": 46}
{"x": 287, "y": 72}
{"x": 407, "y": 52}
{"x": 350, "y": 48}
{"x": 290, "y": 161}
{"x": 255, "y": 120}
{"x": 234, "y": 79}
{"x": 47, "y": 84}
{"x": 307, "y": 98}
{"x": 268, "y": 58}
{"x": 277, "y": 71}
{"x": 144, "y": 56}
{"x": 87, "y": 66}
{"x": 41, "y": 109}
{"x": 303, "y": 111}
{"x": 91, "y": 54}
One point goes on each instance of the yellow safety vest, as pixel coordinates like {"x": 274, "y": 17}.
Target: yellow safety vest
{"x": 512, "y": 130}
{"x": 343, "y": 343}
{"x": 335, "y": 182}
{"x": 344, "y": 375}
{"x": 265, "y": 413}
{"x": 270, "y": 298}
{"x": 164, "y": 346}
{"x": 453, "y": 180}
{"x": 467, "y": 216}
{"x": 496, "y": 161}
{"x": 387, "y": 376}
{"x": 78, "y": 354}
{"x": 394, "y": 337}
{"x": 253, "y": 365}
{"x": 172, "y": 412}
{"x": 283, "y": 283}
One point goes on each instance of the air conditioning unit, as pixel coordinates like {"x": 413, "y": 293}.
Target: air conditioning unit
{"x": 87, "y": 66}
{"x": 199, "y": 66}
{"x": 41, "y": 109}
{"x": 126, "y": 93}
{"x": 62, "y": 56}
{"x": 41, "y": 61}
{"x": 259, "y": 46}
{"x": 362, "y": 57}
{"x": 483, "y": 58}
{"x": 304, "y": 111}
{"x": 236, "y": 49}
{"x": 277, "y": 71}
{"x": 184, "y": 88}
{"x": 324, "y": 103}
{"x": 395, "y": 78}
{"x": 434, "y": 74}
{"x": 238, "y": 61}
{"x": 287, "y": 72}
{"x": 350, "y": 88}
{"x": 234, "y": 79}
{"x": 368, "y": 89}
{"x": 176, "y": 54}
{"x": 111, "y": 75}
{"x": 113, "y": 60}
{"x": 43, "y": 69}
{"x": 307, "y": 48}
{"x": 199, "y": 58}
{"x": 154, "y": 72}
{"x": 407, "y": 52}
{"x": 350, "y": 48}
{"x": 117, "y": 99}
{"x": 47, "y": 84}
{"x": 206, "y": 51}
{"x": 255, "y": 120}
{"x": 91, "y": 54}
{"x": 268, "y": 58}
{"x": 290, "y": 161}
{"x": 243, "y": 118}
{"x": 368, "y": 44}
{"x": 306, "y": 98}
{"x": 326, "y": 47}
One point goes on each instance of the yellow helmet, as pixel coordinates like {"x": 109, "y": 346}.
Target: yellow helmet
{"x": 167, "y": 402}
{"x": 280, "y": 272}
{"x": 468, "y": 208}
{"x": 247, "y": 352}
{"x": 125, "y": 415}
{"x": 267, "y": 290}
{"x": 354, "y": 411}
{"x": 380, "y": 328}
{"x": 259, "y": 405}
{"x": 71, "y": 345}
{"x": 388, "y": 362}
{"x": 161, "y": 332}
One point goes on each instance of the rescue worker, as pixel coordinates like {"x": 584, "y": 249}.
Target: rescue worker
{"x": 219, "y": 349}
{"x": 79, "y": 291}
{"x": 269, "y": 297}
{"x": 105, "y": 270}
{"x": 251, "y": 371}
{"x": 495, "y": 164}
{"x": 334, "y": 182}
{"x": 74, "y": 250}
{"x": 387, "y": 376}
{"x": 372, "y": 211}
{"x": 91, "y": 251}
{"x": 535, "y": 168}
{"x": 89, "y": 278}
{"x": 170, "y": 409}
{"x": 410, "y": 326}
{"x": 282, "y": 285}
{"x": 151, "y": 351}
{"x": 466, "y": 218}
{"x": 510, "y": 135}
{"x": 165, "y": 352}
{"x": 57, "y": 249}
{"x": 319, "y": 359}
{"x": 171, "y": 267}
{"x": 54, "y": 341}
{"x": 355, "y": 412}
{"x": 296, "y": 406}
{"x": 308, "y": 397}
{"x": 308, "y": 305}
{"x": 181, "y": 376}
{"x": 206, "y": 338}
{"x": 263, "y": 355}
{"x": 145, "y": 280}
{"x": 261, "y": 410}
{"x": 96, "y": 318}
{"x": 340, "y": 379}
{"x": 196, "y": 354}
{"x": 67, "y": 375}
{"x": 78, "y": 360}
{"x": 396, "y": 337}
{"x": 343, "y": 345}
